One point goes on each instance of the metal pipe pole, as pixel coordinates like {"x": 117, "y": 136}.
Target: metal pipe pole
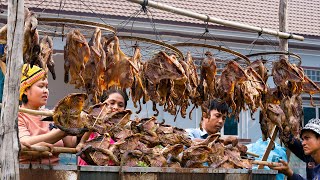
{"x": 207, "y": 18}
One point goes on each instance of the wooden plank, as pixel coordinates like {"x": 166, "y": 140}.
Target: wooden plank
{"x": 54, "y": 150}
{"x": 270, "y": 146}
{"x": 266, "y": 163}
{"x": 9, "y": 142}
{"x": 34, "y": 112}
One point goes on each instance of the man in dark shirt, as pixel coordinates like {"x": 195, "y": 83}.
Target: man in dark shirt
{"x": 307, "y": 150}
{"x": 295, "y": 146}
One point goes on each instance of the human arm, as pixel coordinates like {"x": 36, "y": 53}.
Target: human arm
{"x": 50, "y": 137}
{"x": 286, "y": 170}
{"x": 84, "y": 139}
{"x": 33, "y": 131}
{"x": 70, "y": 141}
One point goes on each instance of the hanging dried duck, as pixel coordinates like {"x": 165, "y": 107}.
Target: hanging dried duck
{"x": 76, "y": 55}
{"x": 95, "y": 67}
{"x": 45, "y": 56}
{"x": 119, "y": 68}
{"x": 231, "y": 76}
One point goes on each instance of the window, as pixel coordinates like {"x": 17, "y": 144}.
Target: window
{"x": 309, "y": 113}
{"x": 230, "y": 126}
{"x": 220, "y": 67}
{"x": 314, "y": 75}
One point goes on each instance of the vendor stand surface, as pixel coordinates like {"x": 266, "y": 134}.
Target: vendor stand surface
{"x": 62, "y": 172}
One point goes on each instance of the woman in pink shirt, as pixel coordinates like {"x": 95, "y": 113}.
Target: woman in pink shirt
{"x": 116, "y": 100}
{"x": 34, "y": 93}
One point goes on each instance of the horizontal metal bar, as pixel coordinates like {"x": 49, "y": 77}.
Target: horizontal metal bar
{"x": 207, "y": 18}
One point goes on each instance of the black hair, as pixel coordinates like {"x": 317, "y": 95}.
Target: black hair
{"x": 215, "y": 104}
{"x": 220, "y": 106}
{"x": 24, "y": 99}
{"x": 313, "y": 132}
{"x": 107, "y": 93}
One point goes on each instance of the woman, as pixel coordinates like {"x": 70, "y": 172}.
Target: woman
{"x": 116, "y": 100}
{"x": 310, "y": 135}
{"x": 34, "y": 94}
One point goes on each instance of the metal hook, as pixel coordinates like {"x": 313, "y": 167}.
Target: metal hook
{"x": 207, "y": 24}
{"x": 144, "y": 6}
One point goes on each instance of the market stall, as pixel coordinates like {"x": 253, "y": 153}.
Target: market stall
{"x": 147, "y": 148}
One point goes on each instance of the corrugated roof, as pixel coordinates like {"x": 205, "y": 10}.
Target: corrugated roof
{"x": 303, "y": 16}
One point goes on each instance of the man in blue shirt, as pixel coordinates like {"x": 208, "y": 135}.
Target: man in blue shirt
{"x": 307, "y": 150}
{"x": 211, "y": 122}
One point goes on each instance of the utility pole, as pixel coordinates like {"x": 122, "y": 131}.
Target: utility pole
{"x": 9, "y": 142}
{"x": 283, "y": 45}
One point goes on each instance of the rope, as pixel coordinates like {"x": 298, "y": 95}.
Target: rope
{"x": 144, "y": 6}
{"x": 125, "y": 22}
{"x": 153, "y": 25}
{"x": 207, "y": 23}
{"x": 94, "y": 12}
{"x": 98, "y": 118}
{"x": 269, "y": 41}
{"x": 252, "y": 43}
{"x": 290, "y": 36}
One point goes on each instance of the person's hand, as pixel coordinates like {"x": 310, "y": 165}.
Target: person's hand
{"x": 45, "y": 144}
{"x": 24, "y": 144}
{"x": 284, "y": 168}
{"x": 80, "y": 146}
{"x": 230, "y": 140}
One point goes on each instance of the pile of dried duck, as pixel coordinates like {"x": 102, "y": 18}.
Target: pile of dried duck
{"x": 142, "y": 142}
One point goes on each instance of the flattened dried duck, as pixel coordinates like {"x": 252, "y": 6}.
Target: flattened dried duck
{"x": 96, "y": 152}
{"x": 172, "y": 154}
{"x": 231, "y": 75}
{"x": 163, "y": 66}
{"x": 45, "y": 56}
{"x": 292, "y": 107}
{"x": 258, "y": 66}
{"x": 164, "y": 69}
{"x": 195, "y": 156}
{"x": 308, "y": 86}
{"x": 271, "y": 115}
{"x": 76, "y": 55}
{"x": 253, "y": 89}
{"x": 119, "y": 68}
{"x": 67, "y": 114}
{"x": 95, "y": 68}
{"x": 31, "y": 48}
{"x": 288, "y": 77}
{"x": 138, "y": 90}
{"x": 208, "y": 73}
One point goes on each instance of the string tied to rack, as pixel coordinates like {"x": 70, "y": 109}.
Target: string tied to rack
{"x": 144, "y": 6}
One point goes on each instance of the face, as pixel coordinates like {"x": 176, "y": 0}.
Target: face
{"x": 310, "y": 143}
{"x": 214, "y": 123}
{"x": 115, "y": 102}
{"x": 38, "y": 94}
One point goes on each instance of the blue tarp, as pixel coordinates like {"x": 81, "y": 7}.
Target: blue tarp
{"x": 279, "y": 152}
